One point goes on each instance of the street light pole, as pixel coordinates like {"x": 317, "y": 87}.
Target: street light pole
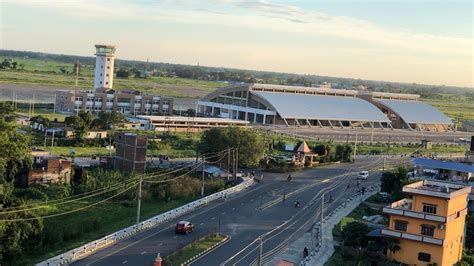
{"x": 139, "y": 200}
{"x": 355, "y": 149}
{"x": 203, "y": 167}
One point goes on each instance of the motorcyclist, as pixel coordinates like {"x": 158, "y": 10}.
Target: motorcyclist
{"x": 297, "y": 203}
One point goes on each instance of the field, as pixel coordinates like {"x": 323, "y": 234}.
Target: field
{"x": 458, "y": 108}
{"x": 48, "y": 72}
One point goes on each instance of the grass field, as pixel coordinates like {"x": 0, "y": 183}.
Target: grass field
{"x": 48, "y": 72}
{"x": 458, "y": 108}
{"x": 193, "y": 249}
{"x": 117, "y": 216}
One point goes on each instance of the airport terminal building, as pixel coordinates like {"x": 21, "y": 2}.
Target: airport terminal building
{"x": 268, "y": 104}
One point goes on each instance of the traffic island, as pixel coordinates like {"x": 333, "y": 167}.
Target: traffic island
{"x": 196, "y": 250}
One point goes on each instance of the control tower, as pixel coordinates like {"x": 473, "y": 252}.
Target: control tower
{"x": 104, "y": 66}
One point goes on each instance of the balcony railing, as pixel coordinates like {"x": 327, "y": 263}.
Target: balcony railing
{"x": 404, "y": 208}
{"x": 425, "y": 239}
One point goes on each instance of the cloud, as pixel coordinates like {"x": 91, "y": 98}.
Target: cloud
{"x": 262, "y": 15}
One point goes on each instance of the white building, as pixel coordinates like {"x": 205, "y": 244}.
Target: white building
{"x": 104, "y": 66}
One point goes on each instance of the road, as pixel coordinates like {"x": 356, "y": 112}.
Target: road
{"x": 240, "y": 218}
{"x": 369, "y": 135}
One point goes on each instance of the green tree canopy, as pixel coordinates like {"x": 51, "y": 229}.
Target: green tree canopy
{"x": 248, "y": 142}
{"x": 392, "y": 182}
{"x": 354, "y": 233}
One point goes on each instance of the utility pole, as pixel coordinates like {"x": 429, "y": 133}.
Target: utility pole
{"x": 322, "y": 214}
{"x": 54, "y": 104}
{"x": 236, "y": 161}
{"x": 33, "y": 106}
{"x": 228, "y": 163}
{"x": 52, "y": 141}
{"x": 383, "y": 168}
{"x": 45, "y": 134}
{"x": 355, "y": 150}
{"x": 139, "y": 198}
{"x": 203, "y": 167}
{"x": 260, "y": 252}
{"x": 234, "y": 167}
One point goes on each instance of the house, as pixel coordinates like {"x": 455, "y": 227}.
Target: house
{"x": 429, "y": 224}
{"x": 49, "y": 169}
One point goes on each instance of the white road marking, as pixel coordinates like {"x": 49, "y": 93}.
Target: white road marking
{"x": 201, "y": 223}
{"x": 241, "y": 203}
{"x": 223, "y": 213}
{"x": 251, "y": 199}
{"x": 161, "y": 244}
{"x": 175, "y": 236}
{"x": 233, "y": 209}
{"x": 213, "y": 218}
{"x": 143, "y": 252}
{"x": 125, "y": 261}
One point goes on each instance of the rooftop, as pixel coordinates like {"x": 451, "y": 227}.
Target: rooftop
{"x": 438, "y": 164}
{"x": 438, "y": 189}
{"x": 415, "y": 112}
{"x": 321, "y": 107}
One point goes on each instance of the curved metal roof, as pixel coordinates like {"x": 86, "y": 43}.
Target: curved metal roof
{"x": 415, "y": 112}
{"x": 301, "y": 106}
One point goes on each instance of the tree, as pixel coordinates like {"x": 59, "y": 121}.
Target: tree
{"x": 107, "y": 120}
{"x": 248, "y": 142}
{"x": 392, "y": 182}
{"x": 354, "y": 233}
{"x": 393, "y": 245}
{"x": 40, "y": 120}
{"x": 122, "y": 73}
{"x": 470, "y": 232}
{"x": 87, "y": 118}
{"x": 15, "y": 153}
{"x": 344, "y": 153}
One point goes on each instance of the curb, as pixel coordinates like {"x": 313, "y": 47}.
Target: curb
{"x": 207, "y": 251}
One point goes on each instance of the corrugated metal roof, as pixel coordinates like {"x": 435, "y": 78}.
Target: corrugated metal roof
{"x": 321, "y": 107}
{"x": 415, "y": 112}
{"x": 437, "y": 164}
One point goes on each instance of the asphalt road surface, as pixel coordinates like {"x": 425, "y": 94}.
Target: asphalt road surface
{"x": 245, "y": 217}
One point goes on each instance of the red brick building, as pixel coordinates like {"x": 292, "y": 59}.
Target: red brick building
{"x": 48, "y": 170}
{"x": 130, "y": 153}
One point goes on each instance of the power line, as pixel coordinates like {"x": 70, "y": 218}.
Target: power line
{"x": 71, "y": 211}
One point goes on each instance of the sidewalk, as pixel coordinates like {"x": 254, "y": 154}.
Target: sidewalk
{"x": 294, "y": 252}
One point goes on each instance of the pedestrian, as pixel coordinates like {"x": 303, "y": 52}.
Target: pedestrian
{"x": 347, "y": 186}
{"x": 305, "y": 252}
{"x": 284, "y": 198}
{"x": 357, "y": 184}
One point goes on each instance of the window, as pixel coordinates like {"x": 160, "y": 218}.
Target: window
{"x": 106, "y": 75}
{"x": 101, "y": 74}
{"x": 400, "y": 225}
{"x": 108, "y": 59}
{"x": 424, "y": 257}
{"x": 108, "y": 67}
{"x": 429, "y": 208}
{"x": 427, "y": 230}
{"x": 107, "y": 83}
{"x": 101, "y": 82}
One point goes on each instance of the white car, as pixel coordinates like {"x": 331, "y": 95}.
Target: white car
{"x": 363, "y": 175}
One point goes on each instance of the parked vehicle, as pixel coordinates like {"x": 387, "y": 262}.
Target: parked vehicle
{"x": 363, "y": 175}
{"x": 184, "y": 227}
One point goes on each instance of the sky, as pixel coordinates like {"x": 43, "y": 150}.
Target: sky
{"x": 413, "y": 41}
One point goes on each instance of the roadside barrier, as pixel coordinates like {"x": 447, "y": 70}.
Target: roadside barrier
{"x": 87, "y": 249}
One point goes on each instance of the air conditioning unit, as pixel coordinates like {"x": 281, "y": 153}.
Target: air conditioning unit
{"x": 441, "y": 226}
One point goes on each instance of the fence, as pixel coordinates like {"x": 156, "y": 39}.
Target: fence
{"x": 87, "y": 249}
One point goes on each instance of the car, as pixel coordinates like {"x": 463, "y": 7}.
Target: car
{"x": 184, "y": 227}
{"x": 363, "y": 175}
